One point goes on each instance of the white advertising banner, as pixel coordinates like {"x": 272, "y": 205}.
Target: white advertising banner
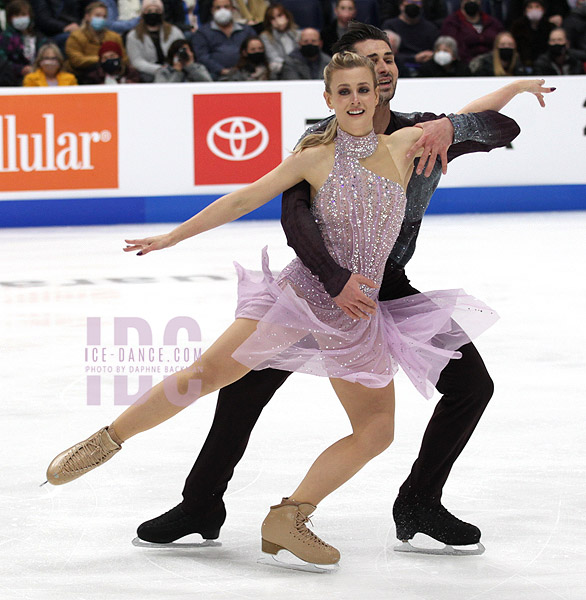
{"x": 201, "y": 140}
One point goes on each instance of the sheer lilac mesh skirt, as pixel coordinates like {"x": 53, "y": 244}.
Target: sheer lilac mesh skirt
{"x": 419, "y": 333}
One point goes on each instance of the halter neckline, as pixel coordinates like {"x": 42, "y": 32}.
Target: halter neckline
{"x": 357, "y": 147}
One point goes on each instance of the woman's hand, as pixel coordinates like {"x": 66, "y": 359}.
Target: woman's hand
{"x": 534, "y": 86}
{"x": 146, "y": 245}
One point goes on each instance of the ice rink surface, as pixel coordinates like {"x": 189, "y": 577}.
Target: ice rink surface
{"x": 521, "y": 478}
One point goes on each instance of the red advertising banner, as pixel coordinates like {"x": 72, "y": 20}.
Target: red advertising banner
{"x": 237, "y": 137}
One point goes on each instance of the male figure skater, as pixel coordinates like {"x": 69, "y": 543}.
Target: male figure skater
{"x": 465, "y": 383}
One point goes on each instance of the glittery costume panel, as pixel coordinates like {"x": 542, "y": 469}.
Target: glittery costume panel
{"x": 359, "y": 214}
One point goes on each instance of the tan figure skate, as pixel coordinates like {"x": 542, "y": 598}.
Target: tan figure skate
{"x": 284, "y": 529}
{"x": 83, "y": 457}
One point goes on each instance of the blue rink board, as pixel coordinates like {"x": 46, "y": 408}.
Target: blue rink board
{"x": 172, "y": 209}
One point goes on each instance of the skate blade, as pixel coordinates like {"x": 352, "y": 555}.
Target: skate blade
{"x": 447, "y": 550}
{"x": 294, "y": 563}
{"x": 205, "y": 544}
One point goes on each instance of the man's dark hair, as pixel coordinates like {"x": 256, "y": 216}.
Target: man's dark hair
{"x": 359, "y": 32}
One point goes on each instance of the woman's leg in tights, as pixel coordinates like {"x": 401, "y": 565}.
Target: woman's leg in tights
{"x": 215, "y": 369}
{"x": 372, "y": 415}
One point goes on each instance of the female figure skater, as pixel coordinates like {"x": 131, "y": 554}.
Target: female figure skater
{"x": 358, "y": 181}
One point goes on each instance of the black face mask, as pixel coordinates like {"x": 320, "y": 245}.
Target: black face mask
{"x": 111, "y": 65}
{"x": 471, "y": 9}
{"x": 309, "y": 50}
{"x": 153, "y": 19}
{"x": 256, "y": 58}
{"x": 506, "y": 54}
{"x": 556, "y": 50}
{"x": 412, "y": 11}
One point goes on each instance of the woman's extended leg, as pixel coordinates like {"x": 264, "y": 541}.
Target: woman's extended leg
{"x": 215, "y": 369}
{"x": 372, "y": 416}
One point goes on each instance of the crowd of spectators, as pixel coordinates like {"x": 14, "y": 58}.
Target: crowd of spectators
{"x": 70, "y": 42}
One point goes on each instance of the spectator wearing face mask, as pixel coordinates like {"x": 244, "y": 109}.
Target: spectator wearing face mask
{"x": 418, "y": 35}
{"x": 307, "y": 61}
{"x": 149, "y": 42}
{"x": 19, "y": 42}
{"x": 111, "y": 69}
{"x": 181, "y": 66}
{"x": 83, "y": 45}
{"x": 253, "y": 64}
{"x": 434, "y": 10}
{"x": 472, "y": 28}
{"x": 531, "y": 32}
{"x": 245, "y": 11}
{"x": 344, "y": 11}
{"x": 555, "y": 10}
{"x": 444, "y": 62}
{"x": 217, "y": 43}
{"x": 559, "y": 59}
{"x": 280, "y": 36}
{"x": 575, "y": 26}
{"x": 49, "y": 69}
{"x": 504, "y": 59}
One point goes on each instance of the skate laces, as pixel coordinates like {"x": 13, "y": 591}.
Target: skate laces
{"x": 89, "y": 455}
{"x": 300, "y": 520}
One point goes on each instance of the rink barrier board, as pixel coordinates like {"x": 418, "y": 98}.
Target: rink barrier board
{"x": 93, "y": 155}
{"x": 171, "y": 209}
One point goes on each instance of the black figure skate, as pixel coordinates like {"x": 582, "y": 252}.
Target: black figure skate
{"x": 163, "y": 531}
{"x": 412, "y": 516}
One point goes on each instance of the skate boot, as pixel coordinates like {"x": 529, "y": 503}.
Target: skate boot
{"x": 83, "y": 457}
{"x": 413, "y": 516}
{"x": 163, "y": 531}
{"x": 284, "y": 529}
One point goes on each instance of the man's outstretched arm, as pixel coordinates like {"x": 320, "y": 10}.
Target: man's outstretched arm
{"x": 447, "y": 137}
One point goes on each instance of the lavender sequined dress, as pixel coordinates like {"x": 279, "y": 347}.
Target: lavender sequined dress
{"x": 300, "y": 327}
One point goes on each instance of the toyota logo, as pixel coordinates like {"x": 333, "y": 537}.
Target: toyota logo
{"x": 240, "y": 132}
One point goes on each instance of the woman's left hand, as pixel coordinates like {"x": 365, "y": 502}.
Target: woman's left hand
{"x": 535, "y": 86}
{"x": 146, "y": 245}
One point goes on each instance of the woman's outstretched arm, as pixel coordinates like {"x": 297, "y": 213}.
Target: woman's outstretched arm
{"x": 500, "y": 98}
{"x": 233, "y": 205}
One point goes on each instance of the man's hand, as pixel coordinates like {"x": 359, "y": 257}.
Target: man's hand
{"x": 71, "y": 27}
{"x": 355, "y": 303}
{"x": 437, "y": 137}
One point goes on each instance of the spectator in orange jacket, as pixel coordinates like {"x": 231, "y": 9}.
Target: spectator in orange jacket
{"x": 49, "y": 69}
{"x": 83, "y": 46}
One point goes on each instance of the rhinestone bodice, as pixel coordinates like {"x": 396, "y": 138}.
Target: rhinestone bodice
{"x": 358, "y": 212}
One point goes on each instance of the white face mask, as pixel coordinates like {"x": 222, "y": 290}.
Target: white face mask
{"x": 442, "y": 58}
{"x": 223, "y": 16}
{"x": 21, "y": 23}
{"x": 534, "y": 14}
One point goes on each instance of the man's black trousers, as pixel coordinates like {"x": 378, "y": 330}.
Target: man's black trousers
{"x": 466, "y": 389}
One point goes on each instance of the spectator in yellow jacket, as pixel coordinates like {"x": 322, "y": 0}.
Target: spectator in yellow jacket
{"x": 49, "y": 69}
{"x": 83, "y": 46}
